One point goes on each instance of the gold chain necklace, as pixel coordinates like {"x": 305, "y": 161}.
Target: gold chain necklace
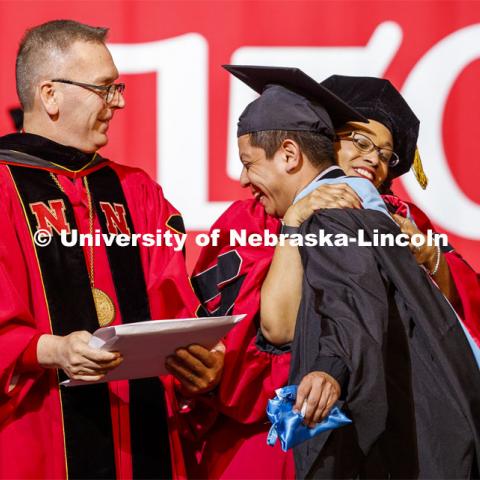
{"x": 103, "y": 303}
{"x": 80, "y": 169}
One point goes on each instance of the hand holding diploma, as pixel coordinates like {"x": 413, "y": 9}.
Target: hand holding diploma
{"x": 198, "y": 369}
{"x": 75, "y": 357}
{"x": 188, "y": 348}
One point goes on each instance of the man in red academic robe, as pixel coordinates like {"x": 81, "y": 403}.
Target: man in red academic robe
{"x": 54, "y": 296}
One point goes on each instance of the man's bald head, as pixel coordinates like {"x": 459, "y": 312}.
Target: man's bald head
{"x": 41, "y": 50}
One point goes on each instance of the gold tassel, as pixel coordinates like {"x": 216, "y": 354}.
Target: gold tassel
{"x": 417, "y": 168}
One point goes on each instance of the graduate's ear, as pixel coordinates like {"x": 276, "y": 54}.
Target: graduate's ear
{"x": 292, "y": 155}
{"x": 49, "y": 98}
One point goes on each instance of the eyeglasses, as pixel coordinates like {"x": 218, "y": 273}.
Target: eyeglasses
{"x": 108, "y": 92}
{"x": 365, "y": 144}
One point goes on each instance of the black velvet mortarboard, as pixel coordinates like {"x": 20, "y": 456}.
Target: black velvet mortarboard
{"x": 290, "y": 100}
{"x": 378, "y": 99}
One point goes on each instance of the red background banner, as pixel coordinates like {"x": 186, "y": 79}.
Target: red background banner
{"x": 179, "y": 121}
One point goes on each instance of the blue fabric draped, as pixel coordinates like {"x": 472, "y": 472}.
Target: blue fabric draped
{"x": 288, "y": 425}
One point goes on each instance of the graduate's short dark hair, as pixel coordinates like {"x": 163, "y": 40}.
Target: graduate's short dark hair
{"x": 318, "y": 148}
{"x": 36, "y": 49}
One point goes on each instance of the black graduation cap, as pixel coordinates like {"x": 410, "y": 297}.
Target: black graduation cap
{"x": 290, "y": 100}
{"x": 378, "y": 99}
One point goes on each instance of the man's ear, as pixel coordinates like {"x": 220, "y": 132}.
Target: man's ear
{"x": 48, "y": 98}
{"x": 292, "y": 154}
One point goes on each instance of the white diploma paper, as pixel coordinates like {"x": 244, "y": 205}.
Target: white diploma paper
{"x": 146, "y": 345}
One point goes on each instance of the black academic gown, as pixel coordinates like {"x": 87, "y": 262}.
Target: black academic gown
{"x": 374, "y": 320}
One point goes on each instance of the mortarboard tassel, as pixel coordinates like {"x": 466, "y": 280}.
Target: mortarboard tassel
{"x": 417, "y": 168}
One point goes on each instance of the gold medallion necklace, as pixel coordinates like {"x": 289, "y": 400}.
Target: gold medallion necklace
{"x": 103, "y": 303}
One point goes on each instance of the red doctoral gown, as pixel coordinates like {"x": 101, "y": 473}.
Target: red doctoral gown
{"x": 32, "y": 440}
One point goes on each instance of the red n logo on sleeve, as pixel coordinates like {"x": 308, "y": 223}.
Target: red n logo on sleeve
{"x": 51, "y": 217}
{"x": 115, "y": 217}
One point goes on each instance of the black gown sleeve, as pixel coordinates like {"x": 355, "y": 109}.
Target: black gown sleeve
{"x": 343, "y": 319}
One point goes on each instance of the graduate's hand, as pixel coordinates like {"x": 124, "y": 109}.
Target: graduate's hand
{"x": 199, "y": 370}
{"x": 72, "y": 354}
{"x": 316, "y": 395}
{"x": 424, "y": 254}
{"x": 338, "y": 195}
